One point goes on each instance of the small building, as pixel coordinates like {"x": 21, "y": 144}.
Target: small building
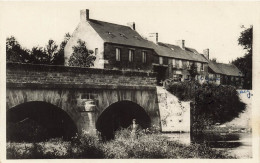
{"x": 225, "y": 74}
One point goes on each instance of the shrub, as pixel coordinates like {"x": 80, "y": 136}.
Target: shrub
{"x": 212, "y": 103}
{"x": 152, "y": 145}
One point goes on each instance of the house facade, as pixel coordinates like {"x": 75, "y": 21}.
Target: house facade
{"x": 122, "y": 47}
{"x": 115, "y": 46}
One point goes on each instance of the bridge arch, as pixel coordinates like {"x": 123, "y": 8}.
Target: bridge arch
{"x": 54, "y": 120}
{"x": 120, "y": 115}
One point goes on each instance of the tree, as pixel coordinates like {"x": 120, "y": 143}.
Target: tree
{"x": 193, "y": 71}
{"x": 59, "y": 56}
{"x": 39, "y": 56}
{"x": 14, "y": 51}
{"x": 244, "y": 63}
{"x": 81, "y": 56}
{"x": 51, "y": 50}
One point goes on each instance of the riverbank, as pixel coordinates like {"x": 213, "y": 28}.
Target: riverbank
{"x": 146, "y": 146}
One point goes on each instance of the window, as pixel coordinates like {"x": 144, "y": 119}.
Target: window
{"x": 202, "y": 67}
{"x": 180, "y": 63}
{"x": 118, "y": 54}
{"x": 96, "y": 51}
{"x": 144, "y": 57}
{"x": 198, "y": 66}
{"x": 173, "y": 63}
{"x": 177, "y": 63}
{"x": 160, "y": 60}
{"x": 131, "y": 55}
{"x": 188, "y": 65}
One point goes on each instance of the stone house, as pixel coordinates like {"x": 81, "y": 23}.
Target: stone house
{"x": 115, "y": 46}
{"x": 222, "y": 73}
{"x": 180, "y": 60}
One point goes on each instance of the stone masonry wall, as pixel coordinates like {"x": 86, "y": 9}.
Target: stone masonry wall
{"x": 74, "y": 77}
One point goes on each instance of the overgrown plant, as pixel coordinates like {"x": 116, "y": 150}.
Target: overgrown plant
{"x": 212, "y": 103}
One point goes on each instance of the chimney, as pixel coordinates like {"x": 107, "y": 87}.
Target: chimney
{"x": 206, "y": 53}
{"x": 181, "y": 43}
{"x": 156, "y": 38}
{"x": 131, "y": 25}
{"x": 84, "y": 15}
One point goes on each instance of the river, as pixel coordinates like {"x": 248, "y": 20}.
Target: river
{"x": 235, "y": 144}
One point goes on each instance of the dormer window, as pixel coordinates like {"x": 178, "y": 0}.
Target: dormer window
{"x": 111, "y": 34}
{"x": 122, "y": 35}
{"x": 137, "y": 37}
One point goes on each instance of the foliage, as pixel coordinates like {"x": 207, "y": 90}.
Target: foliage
{"x": 185, "y": 91}
{"x": 151, "y": 145}
{"x": 26, "y": 130}
{"x": 14, "y": 51}
{"x": 193, "y": 71}
{"x": 50, "y": 54}
{"x": 59, "y": 56}
{"x": 245, "y": 63}
{"x": 213, "y": 104}
{"x": 81, "y": 56}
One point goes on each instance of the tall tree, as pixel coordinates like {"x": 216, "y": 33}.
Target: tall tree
{"x": 245, "y": 63}
{"x": 59, "y": 56}
{"x": 81, "y": 56}
{"x": 51, "y": 50}
{"x": 14, "y": 51}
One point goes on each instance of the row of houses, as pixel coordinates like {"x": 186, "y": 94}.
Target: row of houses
{"x": 122, "y": 47}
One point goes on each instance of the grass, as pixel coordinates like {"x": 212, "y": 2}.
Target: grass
{"x": 148, "y": 145}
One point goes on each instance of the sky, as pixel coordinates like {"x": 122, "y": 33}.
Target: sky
{"x": 213, "y": 25}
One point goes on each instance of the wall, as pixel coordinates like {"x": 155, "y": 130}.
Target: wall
{"x": 62, "y": 75}
{"x": 86, "y": 33}
{"x": 110, "y": 56}
{"x": 175, "y": 114}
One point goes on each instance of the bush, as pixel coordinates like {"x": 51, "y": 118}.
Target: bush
{"x": 212, "y": 103}
{"x": 152, "y": 145}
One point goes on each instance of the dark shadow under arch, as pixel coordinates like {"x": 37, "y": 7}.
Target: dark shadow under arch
{"x": 121, "y": 114}
{"x": 39, "y": 121}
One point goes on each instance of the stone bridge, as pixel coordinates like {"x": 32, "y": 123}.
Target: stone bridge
{"x": 67, "y": 100}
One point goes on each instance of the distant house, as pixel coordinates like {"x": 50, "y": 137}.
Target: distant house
{"x": 225, "y": 74}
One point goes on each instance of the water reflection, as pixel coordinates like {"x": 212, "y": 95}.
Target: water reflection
{"x": 236, "y": 144}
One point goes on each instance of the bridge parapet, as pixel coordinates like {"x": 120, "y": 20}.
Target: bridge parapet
{"x": 48, "y": 76}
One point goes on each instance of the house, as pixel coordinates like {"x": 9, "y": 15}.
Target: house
{"x": 225, "y": 74}
{"x": 175, "y": 61}
{"x": 115, "y": 46}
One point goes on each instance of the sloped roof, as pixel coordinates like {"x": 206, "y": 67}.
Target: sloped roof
{"x": 118, "y": 34}
{"x": 173, "y": 51}
{"x": 225, "y": 69}
{"x": 214, "y": 67}
{"x": 229, "y": 69}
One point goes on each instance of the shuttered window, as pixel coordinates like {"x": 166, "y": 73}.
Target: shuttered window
{"x": 144, "y": 54}
{"x": 131, "y": 55}
{"x": 118, "y": 54}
